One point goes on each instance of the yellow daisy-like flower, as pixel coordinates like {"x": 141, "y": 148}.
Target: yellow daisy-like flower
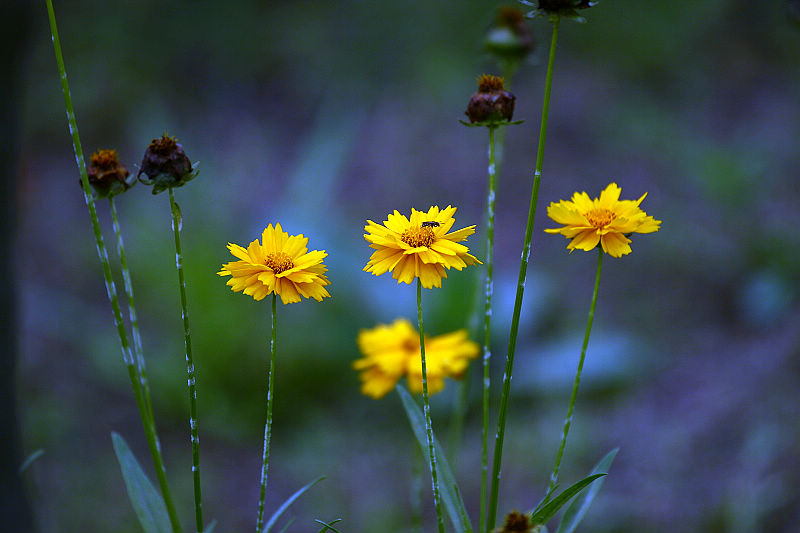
{"x": 392, "y": 352}
{"x": 606, "y": 220}
{"x": 418, "y": 247}
{"x": 279, "y": 264}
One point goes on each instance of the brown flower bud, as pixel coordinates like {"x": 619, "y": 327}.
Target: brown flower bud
{"x": 492, "y": 103}
{"x": 107, "y": 176}
{"x": 165, "y": 164}
{"x": 509, "y": 39}
{"x": 516, "y": 522}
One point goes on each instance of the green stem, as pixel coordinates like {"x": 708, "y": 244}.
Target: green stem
{"x": 487, "y": 320}
{"x": 111, "y": 290}
{"x": 427, "y": 408}
{"x": 523, "y": 269}
{"x": 568, "y": 420}
{"x": 150, "y": 427}
{"x": 176, "y": 230}
{"x": 273, "y": 343}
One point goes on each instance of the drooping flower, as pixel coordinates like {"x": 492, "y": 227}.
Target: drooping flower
{"x": 279, "y": 264}
{"x": 392, "y": 352}
{"x": 418, "y": 247}
{"x": 606, "y": 220}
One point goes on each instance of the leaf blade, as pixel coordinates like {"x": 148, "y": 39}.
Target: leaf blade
{"x": 578, "y": 507}
{"x": 289, "y": 501}
{"x": 549, "y": 509}
{"x": 146, "y": 501}
{"x": 448, "y": 488}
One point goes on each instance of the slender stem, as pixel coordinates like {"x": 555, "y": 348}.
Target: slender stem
{"x": 150, "y": 426}
{"x": 427, "y": 408}
{"x": 273, "y": 344}
{"x": 111, "y": 290}
{"x": 416, "y": 488}
{"x": 523, "y": 269}
{"x": 176, "y": 230}
{"x": 568, "y": 420}
{"x": 487, "y": 320}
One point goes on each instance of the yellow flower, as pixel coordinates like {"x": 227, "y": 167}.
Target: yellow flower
{"x": 606, "y": 220}
{"x": 392, "y": 352}
{"x": 419, "y": 247}
{"x": 280, "y": 264}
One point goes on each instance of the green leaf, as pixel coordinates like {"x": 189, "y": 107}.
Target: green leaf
{"x": 274, "y": 518}
{"x": 574, "y": 513}
{"x": 146, "y": 501}
{"x": 328, "y": 525}
{"x": 30, "y": 459}
{"x": 285, "y": 528}
{"x": 447, "y": 481}
{"x": 551, "y": 508}
{"x": 210, "y": 527}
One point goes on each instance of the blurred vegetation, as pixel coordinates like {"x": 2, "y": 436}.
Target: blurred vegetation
{"x": 321, "y": 115}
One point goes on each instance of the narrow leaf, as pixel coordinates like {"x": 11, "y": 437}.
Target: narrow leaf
{"x": 578, "y": 507}
{"x": 545, "y": 499}
{"x": 146, "y": 501}
{"x": 328, "y": 526}
{"x": 285, "y": 528}
{"x": 274, "y": 518}
{"x": 447, "y": 486}
{"x": 31, "y": 458}
{"x": 210, "y": 527}
{"x": 551, "y": 508}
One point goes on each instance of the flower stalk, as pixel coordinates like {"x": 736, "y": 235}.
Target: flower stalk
{"x": 145, "y": 413}
{"x": 192, "y": 388}
{"x": 487, "y": 320}
{"x": 523, "y": 269}
{"x": 273, "y": 342}
{"x": 427, "y": 409}
{"x": 150, "y": 428}
{"x": 568, "y": 419}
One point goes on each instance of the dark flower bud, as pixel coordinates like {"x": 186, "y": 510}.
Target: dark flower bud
{"x": 561, "y": 8}
{"x": 107, "y": 176}
{"x": 492, "y": 103}
{"x": 165, "y": 164}
{"x": 517, "y": 522}
{"x": 509, "y": 39}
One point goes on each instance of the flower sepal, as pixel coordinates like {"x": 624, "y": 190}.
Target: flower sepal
{"x": 553, "y": 9}
{"x": 490, "y": 123}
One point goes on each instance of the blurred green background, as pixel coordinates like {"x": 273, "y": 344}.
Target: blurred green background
{"x": 320, "y": 115}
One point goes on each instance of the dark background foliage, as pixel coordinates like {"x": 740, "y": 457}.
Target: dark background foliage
{"x": 321, "y": 115}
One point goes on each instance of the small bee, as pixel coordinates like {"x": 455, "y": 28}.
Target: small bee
{"x": 430, "y": 223}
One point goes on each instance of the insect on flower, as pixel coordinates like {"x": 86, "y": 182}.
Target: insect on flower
{"x": 430, "y": 223}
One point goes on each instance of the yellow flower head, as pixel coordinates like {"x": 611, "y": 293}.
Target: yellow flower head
{"x": 392, "y": 352}
{"x": 418, "y": 247}
{"x": 280, "y": 264}
{"x": 606, "y": 220}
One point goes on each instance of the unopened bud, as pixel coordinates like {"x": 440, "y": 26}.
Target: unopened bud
{"x": 165, "y": 164}
{"x": 107, "y": 176}
{"x": 509, "y": 39}
{"x": 492, "y": 103}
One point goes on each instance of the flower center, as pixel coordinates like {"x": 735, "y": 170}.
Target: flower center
{"x": 278, "y": 262}
{"x": 416, "y": 237}
{"x": 601, "y": 217}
